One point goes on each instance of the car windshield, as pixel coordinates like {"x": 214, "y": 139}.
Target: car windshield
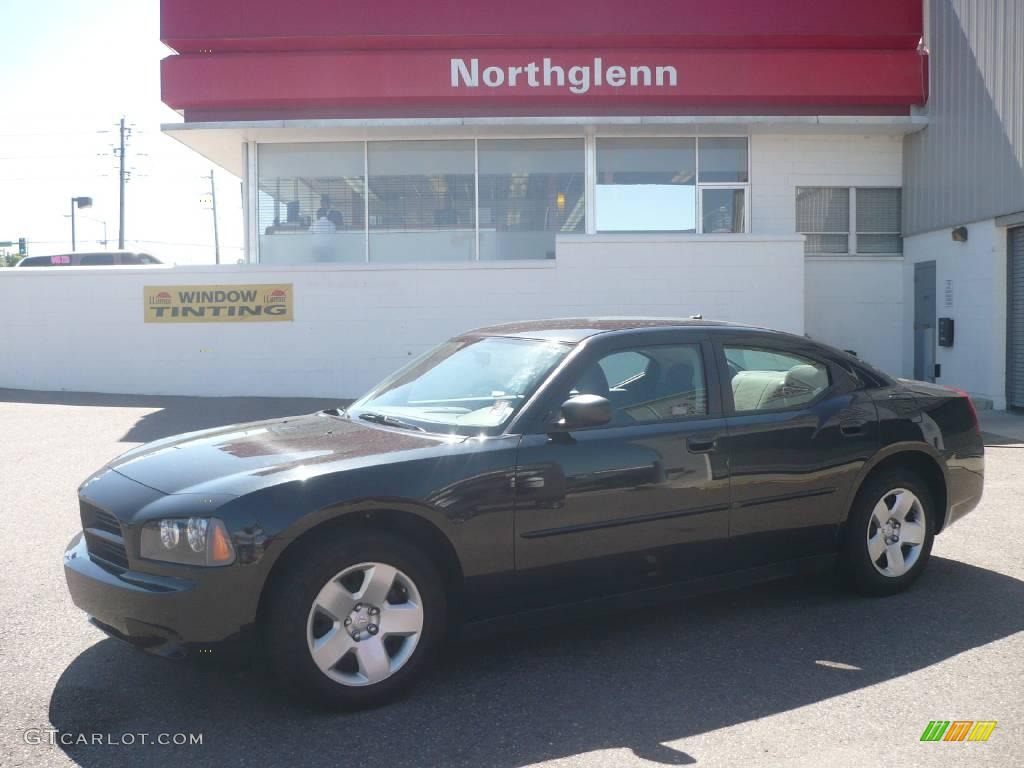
{"x": 464, "y": 386}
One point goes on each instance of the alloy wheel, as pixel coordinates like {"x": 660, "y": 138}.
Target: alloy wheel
{"x": 365, "y": 624}
{"x": 896, "y": 532}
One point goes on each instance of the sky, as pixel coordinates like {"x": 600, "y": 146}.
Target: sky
{"x": 69, "y": 70}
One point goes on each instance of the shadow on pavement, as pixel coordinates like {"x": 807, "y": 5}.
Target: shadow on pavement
{"x": 174, "y": 415}
{"x": 633, "y": 681}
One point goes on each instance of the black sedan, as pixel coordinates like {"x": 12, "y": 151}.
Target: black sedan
{"x": 526, "y": 469}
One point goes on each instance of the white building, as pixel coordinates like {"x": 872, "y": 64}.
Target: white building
{"x": 421, "y": 169}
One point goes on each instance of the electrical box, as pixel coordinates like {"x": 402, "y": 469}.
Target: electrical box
{"x": 945, "y": 331}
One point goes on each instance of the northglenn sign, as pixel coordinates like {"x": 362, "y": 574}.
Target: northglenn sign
{"x": 577, "y": 78}
{"x": 367, "y": 83}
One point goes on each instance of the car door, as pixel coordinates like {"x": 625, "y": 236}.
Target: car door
{"x": 640, "y": 500}
{"x": 799, "y": 429}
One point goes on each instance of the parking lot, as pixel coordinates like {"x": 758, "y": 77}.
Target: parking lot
{"x": 792, "y": 673}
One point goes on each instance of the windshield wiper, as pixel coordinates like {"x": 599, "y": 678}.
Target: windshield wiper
{"x": 390, "y": 421}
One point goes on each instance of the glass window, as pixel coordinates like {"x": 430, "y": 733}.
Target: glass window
{"x": 648, "y": 384}
{"x": 823, "y": 215}
{"x": 311, "y": 203}
{"x": 879, "y": 221}
{"x": 97, "y": 260}
{"x": 646, "y": 185}
{"x": 422, "y": 201}
{"x": 722, "y": 209}
{"x": 464, "y": 385}
{"x": 530, "y": 190}
{"x": 723, "y": 160}
{"x": 764, "y": 380}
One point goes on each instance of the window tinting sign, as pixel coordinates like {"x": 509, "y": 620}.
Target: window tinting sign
{"x": 218, "y": 303}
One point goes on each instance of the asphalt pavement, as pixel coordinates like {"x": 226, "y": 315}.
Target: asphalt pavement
{"x": 794, "y": 673}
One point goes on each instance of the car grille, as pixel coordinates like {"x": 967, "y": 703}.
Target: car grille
{"x": 103, "y": 538}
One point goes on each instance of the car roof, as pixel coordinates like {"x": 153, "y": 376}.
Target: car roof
{"x": 576, "y": 329}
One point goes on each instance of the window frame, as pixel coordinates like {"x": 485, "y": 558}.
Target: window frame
{"x": 588, "y": 144}
{"x": 763, "y": 345}
{"x": 851, "y": 232}
{"x": 537, "y": 418}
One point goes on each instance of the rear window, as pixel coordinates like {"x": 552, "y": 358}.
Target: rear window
{"x": 45, "y": 261}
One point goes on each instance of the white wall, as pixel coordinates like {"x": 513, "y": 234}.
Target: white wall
{"x": 857, "y": 303}
{"x": 82, "y": 328}
{"x": 977, "y": 360}
{"x": 851, "y": 302}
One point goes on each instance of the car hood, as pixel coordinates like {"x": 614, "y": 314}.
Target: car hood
{"x": 239, "y": 458}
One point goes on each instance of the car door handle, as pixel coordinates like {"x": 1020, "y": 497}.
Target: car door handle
{"x": 701, "y": 443}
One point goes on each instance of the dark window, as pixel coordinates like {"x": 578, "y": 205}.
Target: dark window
{"x": 649, "y": 384}
{"x": 97, "y": 259}
{"x": 765, "y": 380}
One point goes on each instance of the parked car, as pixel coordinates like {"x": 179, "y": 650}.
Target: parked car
{"x": 82, "y": 259}
{"x": 523, "y": 470}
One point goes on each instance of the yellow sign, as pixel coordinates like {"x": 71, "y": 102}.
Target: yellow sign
{"x": 219, "y": 303}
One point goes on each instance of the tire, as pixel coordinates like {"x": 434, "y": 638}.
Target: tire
{"x": 354, "y": 596}
{"x": 893, "y": 517}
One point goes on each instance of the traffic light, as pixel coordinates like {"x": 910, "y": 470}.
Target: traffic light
{"x": 22, "y": 246}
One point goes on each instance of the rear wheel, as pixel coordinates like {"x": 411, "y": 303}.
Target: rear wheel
{"x": 355, "y": 620}
{"x": 889, "y": 533}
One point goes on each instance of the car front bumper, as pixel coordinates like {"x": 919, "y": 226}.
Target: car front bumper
{"x": 159, "y": 614}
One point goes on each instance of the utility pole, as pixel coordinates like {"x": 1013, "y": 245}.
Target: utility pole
{"x": 120, "y": 230}
{"x": 216, "y": 237}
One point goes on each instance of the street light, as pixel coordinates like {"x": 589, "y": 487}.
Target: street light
{"x": 77, "y": 202}
{"x": 105, "y": 240}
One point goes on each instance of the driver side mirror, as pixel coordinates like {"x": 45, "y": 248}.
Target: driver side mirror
{"x": 585, "y": 411}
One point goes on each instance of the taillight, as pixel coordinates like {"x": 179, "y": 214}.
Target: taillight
{"x": 970, "y": 405}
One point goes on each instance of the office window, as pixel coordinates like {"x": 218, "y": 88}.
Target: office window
{"x": 879, "y": 216}
{"x": 311, "y": 203}
{"x": 825, "y": 214}
{"x": 722, "y": 209}
{"x": 530, "y": 190}
{"x": 723, "y": 160}
{"x": 421, "y": 201}
{"x": 646, "y": 185}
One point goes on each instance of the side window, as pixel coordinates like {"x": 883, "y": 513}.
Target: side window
{"x": 649, "y": 384}
{"x": 97, "y": 259}
{"x": 764, "y": 380}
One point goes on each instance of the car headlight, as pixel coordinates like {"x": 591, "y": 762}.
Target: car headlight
{"x": 189, "y": 541}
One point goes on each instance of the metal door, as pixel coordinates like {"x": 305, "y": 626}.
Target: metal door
{"x": 1015, "y": 319}
{"x": 924, "y": 321}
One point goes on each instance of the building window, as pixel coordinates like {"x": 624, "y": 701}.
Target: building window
{"x": 724, "y": 160}
{"x": 646, "y": 185}
{"x": 491, "y": 199}
{"x": 672, "y": 185}
{"x": 824, "y": 215}
{"x": 422, "y": 201}
{"x": 879, "y": 213}
{"x": 530, "y": 190}
{"x": 722, "y": 210}
{"x": 311, "y": 203}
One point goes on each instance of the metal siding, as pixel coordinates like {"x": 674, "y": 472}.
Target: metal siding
{"x": 968, "y": 164}
{"x": 1015, "y": 320}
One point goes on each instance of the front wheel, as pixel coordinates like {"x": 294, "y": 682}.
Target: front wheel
{"x": 353, "y": 622}
{"x": 889, "y": 533}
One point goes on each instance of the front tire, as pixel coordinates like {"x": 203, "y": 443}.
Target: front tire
{"x": 354, "y": 621}
{"x": 889, "y": 533}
